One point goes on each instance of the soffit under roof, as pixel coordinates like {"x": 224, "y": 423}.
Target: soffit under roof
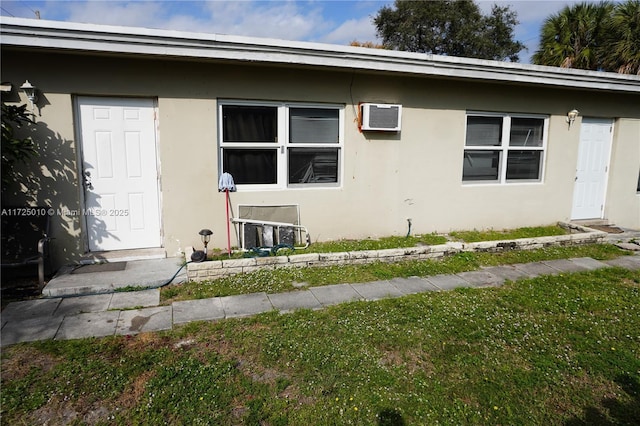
{"x": 68, "y": 37}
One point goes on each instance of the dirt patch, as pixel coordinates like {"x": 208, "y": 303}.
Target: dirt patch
{"x": 412, "y": 360}
{"x": 610, "y": 229}
{"x": 146, "y": 341}
{"x": 60, "y": 412}
{"x": 54, "y": 412}
{"x": 293, "y": 393}
{"x": 19, "y": 361}
{"x": 133, "y": 394}
{"x": 15, "y": 289}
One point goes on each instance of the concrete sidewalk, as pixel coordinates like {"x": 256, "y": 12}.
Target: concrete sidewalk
{"x": 128, "y": 313}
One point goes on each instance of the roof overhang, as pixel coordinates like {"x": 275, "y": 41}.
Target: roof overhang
{"x": 102, "y": 39}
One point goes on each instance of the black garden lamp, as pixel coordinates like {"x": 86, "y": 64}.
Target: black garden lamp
{"x": 205, "y": 235}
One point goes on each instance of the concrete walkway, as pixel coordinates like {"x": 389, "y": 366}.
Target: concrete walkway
{"x": 128, "y": 313}
{"x": 116, "y": 276}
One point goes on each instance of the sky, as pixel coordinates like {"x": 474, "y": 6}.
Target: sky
{"x": 324, "y": 21}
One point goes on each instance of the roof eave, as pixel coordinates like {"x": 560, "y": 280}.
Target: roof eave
{"x": 65, "y": 36}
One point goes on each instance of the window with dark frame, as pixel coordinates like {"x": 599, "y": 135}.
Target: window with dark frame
{"x": 501, "y": 148}
{"x": 280, "y": 144}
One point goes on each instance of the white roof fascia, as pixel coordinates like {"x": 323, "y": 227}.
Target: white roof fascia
{"x": 69, "y": 36}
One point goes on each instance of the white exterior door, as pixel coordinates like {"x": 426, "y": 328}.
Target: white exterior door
{"x": 592, "y": 170}
{"x": 120, "y": 172}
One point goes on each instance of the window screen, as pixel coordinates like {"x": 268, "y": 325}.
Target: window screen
{"x": 313, "y": 125}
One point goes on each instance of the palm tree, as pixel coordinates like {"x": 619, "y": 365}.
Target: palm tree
{"x": 570, "y": 39}
{"x": 621, "y": 52}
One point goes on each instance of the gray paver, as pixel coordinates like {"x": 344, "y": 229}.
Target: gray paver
{"x": 413, "y": 285}
{"x": 30, "y": 309}
{"x": 377, "y": 290}
{"x": 132, "y": 299}
{"x": 588, "y": 263}
{"x": 146, "y": 319}
{"x": 535, "y": 269}
{"x": 629, "y": 262}
{"x": 83, "y": 304}
{"x": 288, "y": 302}
{"x": 245, "y": 304}
{"x": 334, "y": 294}
{"x": 197, "y": 310}
{"x": 30, "y": 330}
{"x": 448, "y": 282}
{"x": 506, "y": 272}
{"x": 565, "y": 265}
{"x": 628, "y": 246}
{"x": 95, "y": 324}
{"x": 75, "y": 285}
{"x": 480, "y": 278}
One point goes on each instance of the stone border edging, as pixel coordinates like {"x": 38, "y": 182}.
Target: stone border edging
{"x": 214, "y": 269}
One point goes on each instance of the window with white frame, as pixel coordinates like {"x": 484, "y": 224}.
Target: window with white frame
{"x": 267, "y": 144}
{"x": 504, "y": 148}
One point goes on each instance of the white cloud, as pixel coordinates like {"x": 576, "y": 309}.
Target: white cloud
{"x": 274, "y": 19}
{"x": 264, "y": 19}
{"x": 361, "y": 30}
{"x": 142, "y": 14}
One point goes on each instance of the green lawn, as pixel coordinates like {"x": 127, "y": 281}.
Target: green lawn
{"x": 556, "y": 350}
{"x": 508, "y": 234}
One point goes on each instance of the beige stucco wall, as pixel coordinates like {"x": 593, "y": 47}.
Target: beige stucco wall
{"x": 51, "y": 178}
{"x": 623, "y": 201}
{"x": 387, "y": 178}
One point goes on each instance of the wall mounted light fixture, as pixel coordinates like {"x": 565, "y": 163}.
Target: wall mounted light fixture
{"x": 572, "y": 115}
{"x": 30, "y": 91}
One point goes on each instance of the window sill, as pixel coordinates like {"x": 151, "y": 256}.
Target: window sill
{"x": 509, "y": 183}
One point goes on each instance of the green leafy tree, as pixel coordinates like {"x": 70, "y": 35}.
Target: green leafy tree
{"x": 572, "y": 37}
{"x": 14, "y": 149}
{"x": 621, "y": 49}
{"x": 593, "y": 36}
{"x": 449, "y": 27}
{"x": 497, "y": 41}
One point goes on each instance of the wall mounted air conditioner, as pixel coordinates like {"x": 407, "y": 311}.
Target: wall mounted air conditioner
{"x": 381, "y": 117}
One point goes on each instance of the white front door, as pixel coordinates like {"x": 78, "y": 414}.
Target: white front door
{"x": 120, "y": 173}
{"x": 592, "y": 170}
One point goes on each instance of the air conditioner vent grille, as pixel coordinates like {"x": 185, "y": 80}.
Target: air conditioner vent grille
{"x": 381, "y": 117}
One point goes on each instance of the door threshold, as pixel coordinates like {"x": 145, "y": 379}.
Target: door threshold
{"x": 587, "y": 222}
{"x": 122, "y": 255}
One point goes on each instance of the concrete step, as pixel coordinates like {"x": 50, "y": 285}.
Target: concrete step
{"x": 105, "y": 278}
{"x": 123, "y": 255}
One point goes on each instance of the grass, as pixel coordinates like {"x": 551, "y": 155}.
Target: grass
{"x": 508, "y": 234}
{"x": 374, "y": 244}
{"x": 412, "y": 241}
{"x": 289, "y": 279}
{"x": 282, "y": 280}
{"x": 555, "y": 350}
{"x": 351, "y": 245}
